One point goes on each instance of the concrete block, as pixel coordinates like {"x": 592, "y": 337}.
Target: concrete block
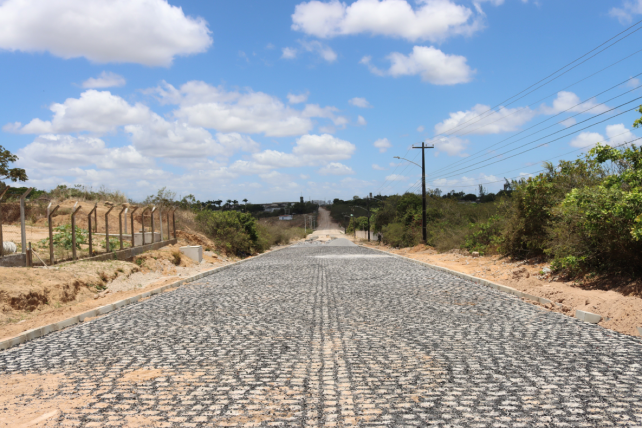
{"x": 49, "y": 328}
{"x": 138, "y": 238}
{"x": 194, "y": 252}
{"x": 120, "y": 304}
{"x": 88, "y": 314}
{"x": 588, "y": 317}
{"x": 145, "y": 294}
{"x": 133, "y": 299}
{"x": 530, "y": 297}
{"x": 105, "y": 309}
{"x": 67, "y": 323}
{"x": 33, "y": 334}
{"x": 640, "y": 331}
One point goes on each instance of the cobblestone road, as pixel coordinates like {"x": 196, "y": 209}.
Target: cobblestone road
{"x": 339, "y": 336}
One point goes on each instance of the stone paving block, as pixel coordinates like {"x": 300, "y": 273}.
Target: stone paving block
{"x": 327, "y": 336}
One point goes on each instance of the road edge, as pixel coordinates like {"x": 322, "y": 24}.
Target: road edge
{"x": 61, "y": 325}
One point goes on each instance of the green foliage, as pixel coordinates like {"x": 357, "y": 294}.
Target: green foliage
{"x": 486, "y": 236}
{"x": 114, "y": 244}
{"x": 6, "y": 173}
{"x": 357, "y": 223}
{"x": 62, "y": 237}
{"x": 236, "y": 232}
{"x": 398, "y": 235}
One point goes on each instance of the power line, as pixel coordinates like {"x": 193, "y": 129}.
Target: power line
{"x": 540, "y": 145}
{"x": 572, "y": 151}
{"x": 552, "y": 74}
{"x": 442, "y": 170}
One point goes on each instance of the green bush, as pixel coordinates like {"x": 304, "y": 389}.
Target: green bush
{"x": 398, "y": 235}
{"x": 62, "y": 237}
{"x": 237, "y": 233}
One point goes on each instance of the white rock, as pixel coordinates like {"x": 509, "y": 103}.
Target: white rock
{"x": 9, "y": 247}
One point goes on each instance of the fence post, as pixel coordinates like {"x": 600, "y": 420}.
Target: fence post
{"x": 160, "y": 221}
{"x": 142, "y": 220}
{"x": 96, "y": 219}
{"x": 1, "y": 242}
{"x": 23, "y": 229}
{"x": 51, "y": 244}
{"x": 28, "y": 260}
{"x": 152, "y": 215}
{"x": 120, "y": 225}
{"x": 73, "y": 232}
{"x": 168, "y": 235}
{"x": 91, "y": 242}
{"x": 107, "y": 247}
{"x": 174, "y": 221}
{"x": 132, "y": 217}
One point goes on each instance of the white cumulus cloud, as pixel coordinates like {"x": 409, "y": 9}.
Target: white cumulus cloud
{"x": 430, "y": 63}
{"x": 382, "y": 144}
{"x": 106, "y": 79}
{"x": 568, "y": 101}
{"x": 479, "y": 120}
{"x": 95, "y": 111}
{"x": 309, "y": 150}
{"x": 249, "y": 112}
{"x": 148, "y": 32}
{"x": 336, "y": 168}
{"x": 359, "y": 102}
{"x": 396, "y": 177}
{"x": 615, "y": 135}
{"x": 298, "y": 99}
{"x": 377, "y": 167}
{"x": 626, "y": 12}
{"x": 433, "y": 20}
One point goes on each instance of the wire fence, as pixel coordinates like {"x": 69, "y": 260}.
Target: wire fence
{"x": 48, "y": 233}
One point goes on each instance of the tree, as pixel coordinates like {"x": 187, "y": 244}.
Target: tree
{"x": 218, "y": 202}
{"x": 6, "y": 173}
{"x": 245, "y": 200}
{"x": 228, "y": 202}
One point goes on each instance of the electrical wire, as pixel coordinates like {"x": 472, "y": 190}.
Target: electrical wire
{"x": 539, "y": 145}
{"x": 552, "y": 74}
{"x": 470, "y": 158}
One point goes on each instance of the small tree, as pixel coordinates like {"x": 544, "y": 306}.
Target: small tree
{"x": 6, "y": 173}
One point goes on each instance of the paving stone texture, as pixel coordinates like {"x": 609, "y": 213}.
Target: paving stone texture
{"x": 342, "y": 336}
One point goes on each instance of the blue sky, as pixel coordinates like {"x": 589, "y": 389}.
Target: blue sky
{"x": 273, "y": 100}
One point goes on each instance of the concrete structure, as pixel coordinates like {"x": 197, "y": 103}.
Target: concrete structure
{"x": 285, "y": 217}
{"x": 194, "y": 252}
{"x": 138, "y": 238}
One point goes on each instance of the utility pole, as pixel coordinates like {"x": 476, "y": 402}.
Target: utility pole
{"x": 423, "y": 148}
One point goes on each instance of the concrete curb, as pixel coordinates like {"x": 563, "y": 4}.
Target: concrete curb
{"x": 60, "y": 325}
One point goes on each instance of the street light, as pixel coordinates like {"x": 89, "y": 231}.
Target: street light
{"x": 423, "y": 148}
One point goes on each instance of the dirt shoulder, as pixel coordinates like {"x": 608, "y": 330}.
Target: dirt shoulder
{"x": 620, "y": 310}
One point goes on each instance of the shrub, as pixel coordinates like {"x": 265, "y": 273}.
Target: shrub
{"x": 177, "y": 256}
{"x": 397, "y": 235}
{"x": 238, "y": 233}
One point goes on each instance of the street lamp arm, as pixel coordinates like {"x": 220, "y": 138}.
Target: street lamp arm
{"x": 407, "y": 160}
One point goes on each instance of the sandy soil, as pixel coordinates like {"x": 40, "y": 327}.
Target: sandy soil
{"x": 34, "y": 399}
{"x": 33, "y": 297}
{"x": 622, "y": 309}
